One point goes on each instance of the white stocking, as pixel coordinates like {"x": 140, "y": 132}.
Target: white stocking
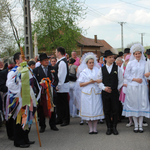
{"x": 95, "y": 125}
{"x": 135, "y": 122}
{"x": 90, "y": 125}
{"x": 130, "y": 119}
{"x": 140, "y": 121}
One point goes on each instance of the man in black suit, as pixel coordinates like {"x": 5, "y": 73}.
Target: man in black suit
{"x": 112, "y": 81}
{"x": 44, "y": 71}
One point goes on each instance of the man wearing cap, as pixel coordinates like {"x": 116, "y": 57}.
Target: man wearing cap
{"x": 112, "y": 80}
{"x": 120, "y": 55}
{"x": 44, "y": 71}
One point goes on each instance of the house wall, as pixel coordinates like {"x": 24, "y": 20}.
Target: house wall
{"x": 95, "y": 50}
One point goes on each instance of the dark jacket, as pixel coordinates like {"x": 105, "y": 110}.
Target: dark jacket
{"x": 40, "y": 74}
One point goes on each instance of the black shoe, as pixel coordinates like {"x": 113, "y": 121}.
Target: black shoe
{"x": 54, "y": 128}
{"x": 95, "y": 132}
{"x": 81, "y": 122}
{"x": 30, "y": 142}
{"x": 22, "y": 146}
{"x": 136, "y": 130}
{"x": 42, "y": 130}
{"x": 108, "y": 132}
{"x": 114, "y": 131}
{"x": 64, "y": 124}
{"x": 141, "y": 130}
{"x": 58, "y": 122}
{"x": 91, "y": 132}
{"x": 101, "y": 121}
{"x": 11, "y": 138}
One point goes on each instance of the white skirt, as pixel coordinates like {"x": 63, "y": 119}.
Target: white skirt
{"x": 136, "y": 101}
{"x": 91, "y": 106}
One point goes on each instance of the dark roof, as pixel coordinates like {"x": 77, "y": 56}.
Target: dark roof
{"x": 105, "y": 46}
{"x": 88, "y": 42}
{"x": 91, "y": 42}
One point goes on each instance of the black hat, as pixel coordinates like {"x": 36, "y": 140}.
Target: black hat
{"x": 148, "y": 52}
{"x": 71, "y": 60}
{"x": 126, "y": 50}
{"x": 108, "y": 53}
{"x": 120, "y": 54}
{"x": 43, "y": 56}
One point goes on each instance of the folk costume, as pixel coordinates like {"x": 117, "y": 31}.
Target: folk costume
{"x": 21, "y": 101}
{"x": 112, "y": 77}
{"x": 91, "y": 107}
{"x": 136, "y": 100}
{"x": 63, "y": 114}
{"x": 46, "y": 106}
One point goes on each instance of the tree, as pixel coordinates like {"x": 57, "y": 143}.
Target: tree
{"x": 9, "y": 25}
{"x": 56, "y": 23}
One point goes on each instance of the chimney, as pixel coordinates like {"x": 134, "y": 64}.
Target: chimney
{"x": 95, "y": 38}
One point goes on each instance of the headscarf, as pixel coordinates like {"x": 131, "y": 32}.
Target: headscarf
{"x": 137, "y": 48}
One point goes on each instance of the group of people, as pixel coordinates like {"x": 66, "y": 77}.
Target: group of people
{"x": 60, "y": 87}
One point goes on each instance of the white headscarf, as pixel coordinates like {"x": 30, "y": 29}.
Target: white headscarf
{"x": 137, "y": 48}
{"x": 84, "y": 59}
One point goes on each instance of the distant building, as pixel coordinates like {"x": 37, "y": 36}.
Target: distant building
{"x": 85, "y": 45}
{"x": 92, "y": 45}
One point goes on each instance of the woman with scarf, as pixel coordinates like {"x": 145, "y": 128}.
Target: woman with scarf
{"x": 136, "y": 101}
{"x": 91, "y": 102}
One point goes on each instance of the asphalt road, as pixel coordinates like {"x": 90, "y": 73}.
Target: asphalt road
{"x": 76, "y": 137}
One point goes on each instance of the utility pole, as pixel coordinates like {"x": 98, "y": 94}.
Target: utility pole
{"x": 142, "y": 34}
{"x": 121, "y": 23}
{"x": 27, "y": 30}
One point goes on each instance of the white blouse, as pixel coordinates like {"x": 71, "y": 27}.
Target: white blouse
{"x": 135, "y": 69}
{"x": 147, "y": 67}
{"x": 87, "y": 75}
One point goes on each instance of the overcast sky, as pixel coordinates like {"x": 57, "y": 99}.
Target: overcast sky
{"x": 103, "y": 17}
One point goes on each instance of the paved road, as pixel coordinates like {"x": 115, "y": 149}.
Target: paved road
{"x": 76, "y": 137}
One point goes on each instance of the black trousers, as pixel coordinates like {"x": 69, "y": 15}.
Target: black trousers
{"x": 41, "y": 118}
{"x": 120, "y": 111}
{"x": 10, "y": 128}
{"x": 110, "y": 105}
{"x": 62, "y": 104}
{"x": 20, "y": 135}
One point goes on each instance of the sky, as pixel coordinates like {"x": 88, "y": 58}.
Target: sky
{"x": 103, "y": 17}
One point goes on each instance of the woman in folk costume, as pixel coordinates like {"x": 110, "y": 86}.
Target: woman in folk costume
{"x": 123, "y": 89}
{"x": 91, "y": 102}
{"x": 136, "y": 100}
{"x": 21, "y": 101}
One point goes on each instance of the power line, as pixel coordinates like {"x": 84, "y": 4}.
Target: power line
{"x": 99, "y": 13}
{"x": 135, "y": 5}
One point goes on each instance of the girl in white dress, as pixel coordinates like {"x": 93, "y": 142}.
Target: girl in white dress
{"x": 91, "y": 102}
{"x": 136, "y": 100}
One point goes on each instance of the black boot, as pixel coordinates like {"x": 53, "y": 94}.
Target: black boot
{"x": 108, "y": 132}
{"x": 114, "y": 130}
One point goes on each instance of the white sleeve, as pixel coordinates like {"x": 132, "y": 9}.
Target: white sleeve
{"x": 120, "y": 78}
{"x": 62, "y": 72}
{"x": 147, "y": 68}
{"x": 128, "y": 74}
{"x": 12, "y": 85}
{"x": 101, "y": 85}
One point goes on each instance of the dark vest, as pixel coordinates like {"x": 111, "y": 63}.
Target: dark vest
{"x": 111, "y": 79}
{"x": 57, "y": 66}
